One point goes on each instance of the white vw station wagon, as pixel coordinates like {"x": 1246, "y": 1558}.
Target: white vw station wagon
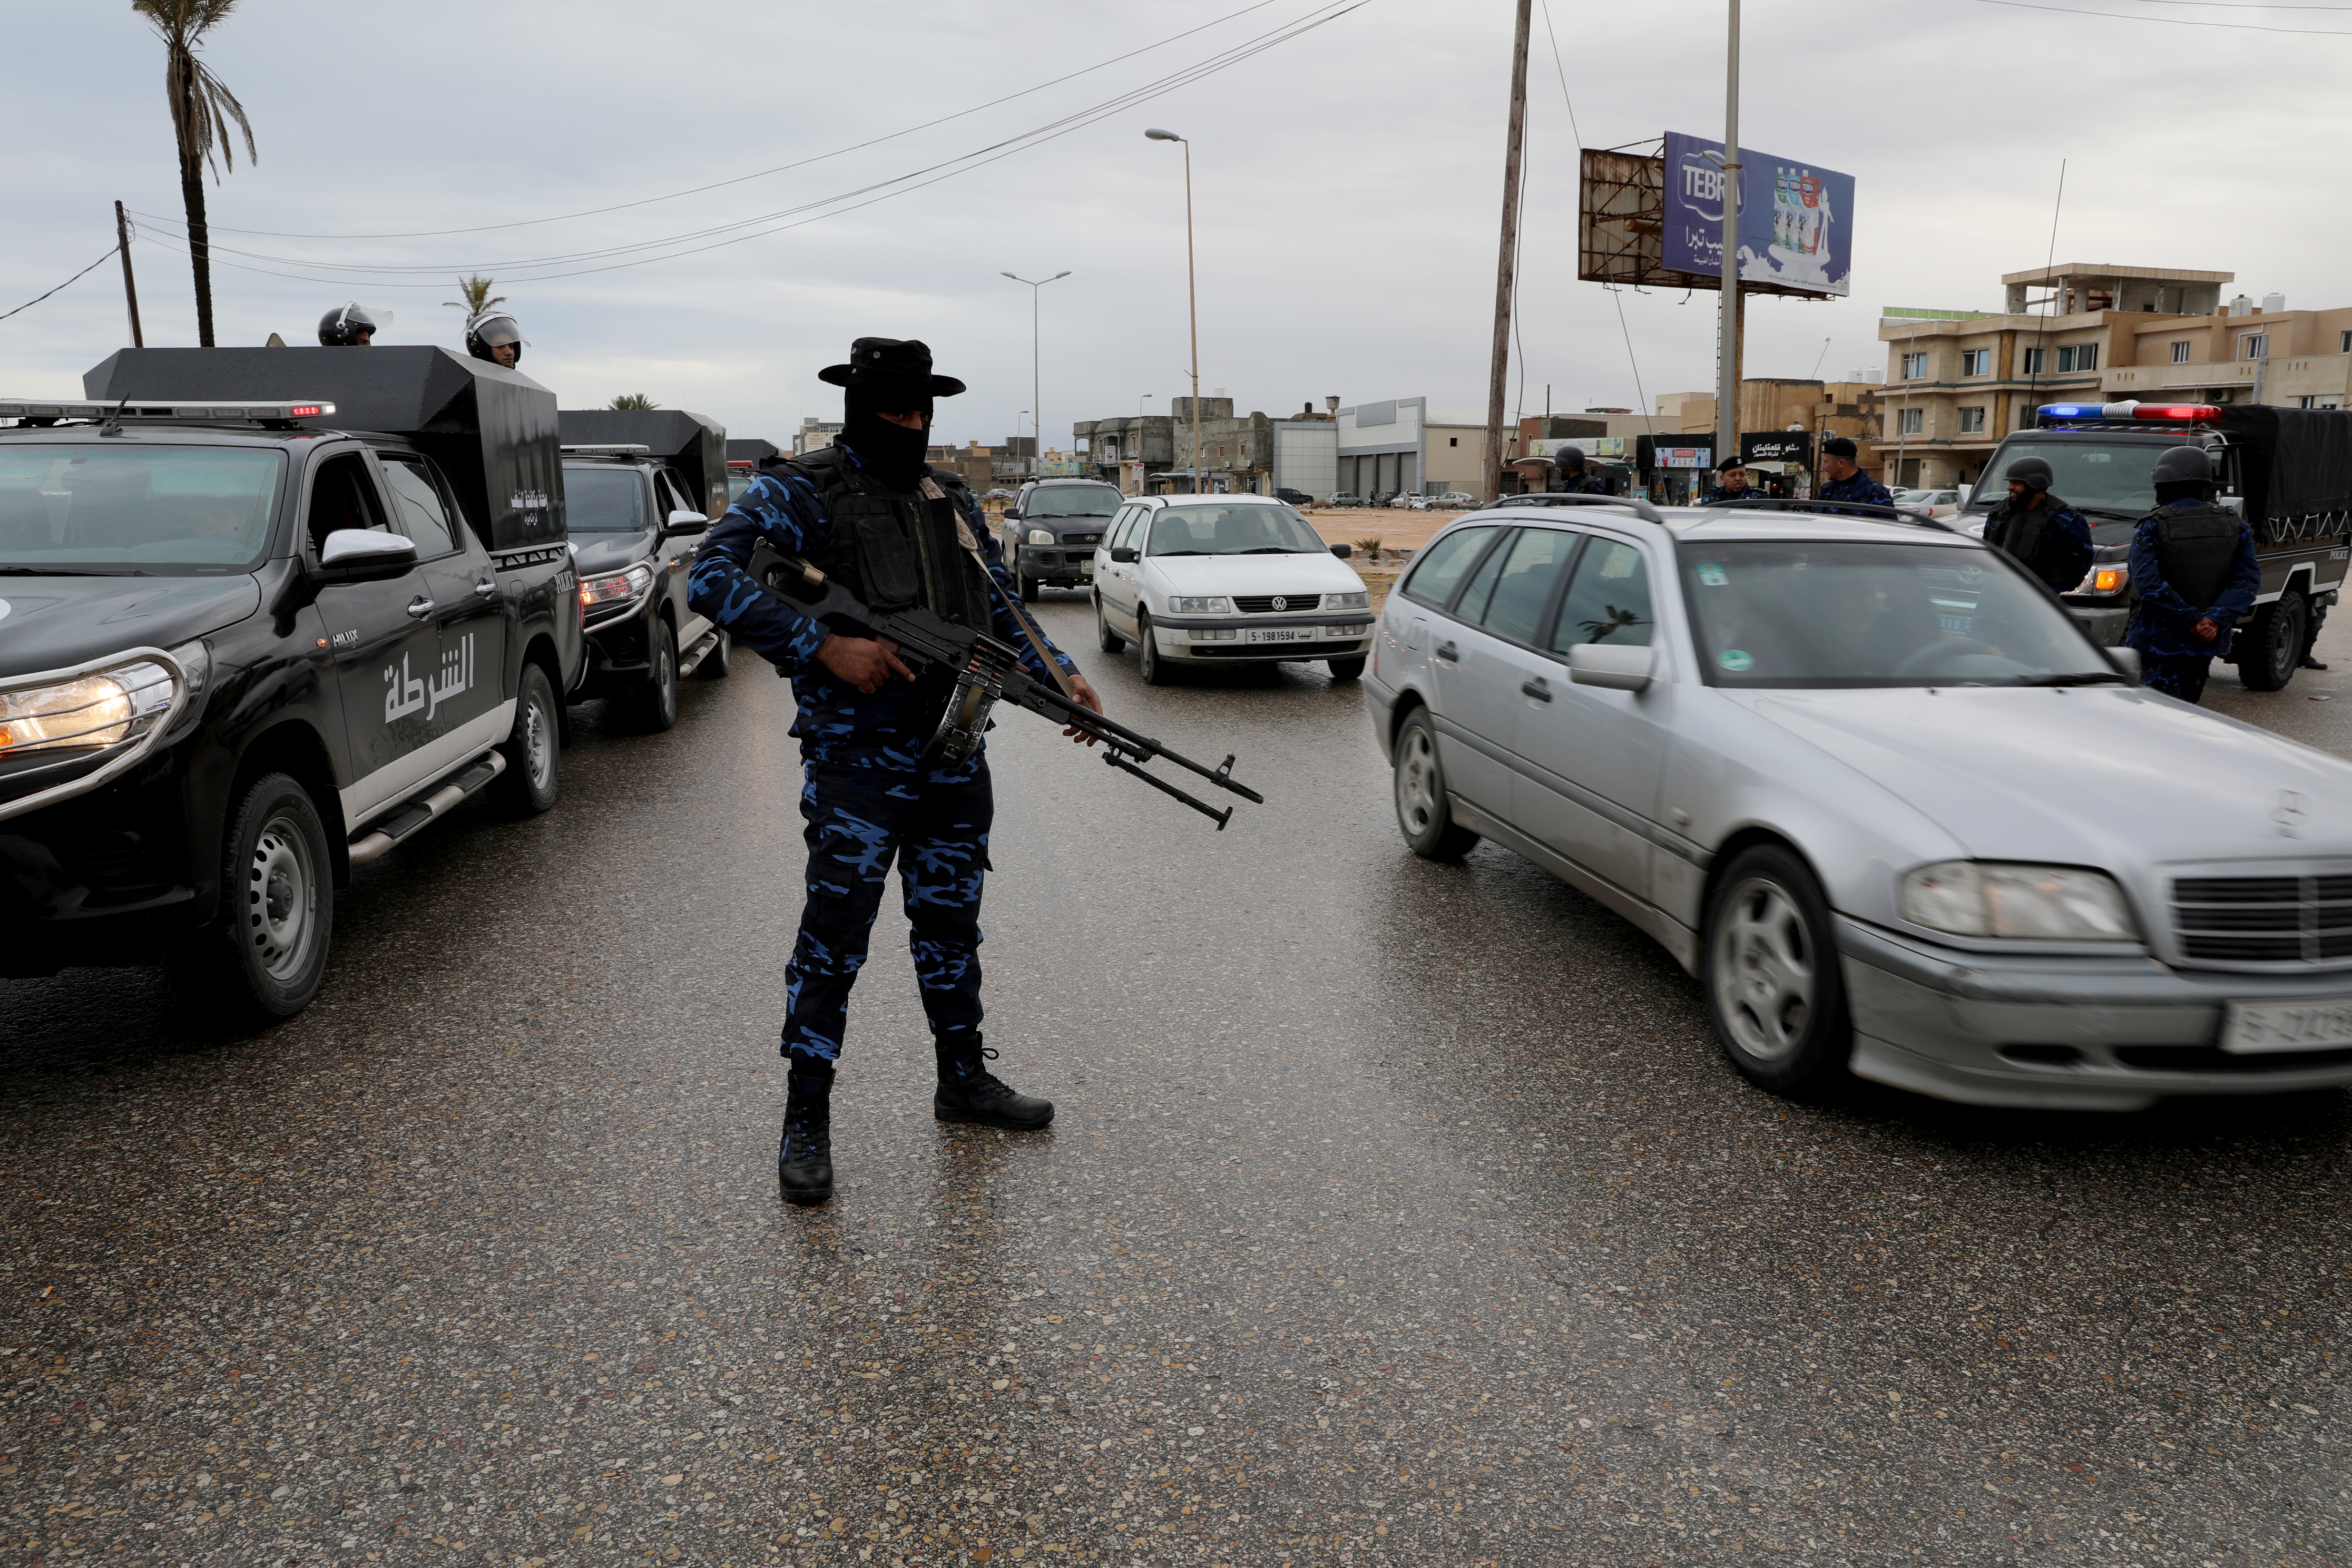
{"x": 1214, "y": 579}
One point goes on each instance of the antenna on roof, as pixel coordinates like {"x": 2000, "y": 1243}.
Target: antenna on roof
{"x": 113, "y": 426}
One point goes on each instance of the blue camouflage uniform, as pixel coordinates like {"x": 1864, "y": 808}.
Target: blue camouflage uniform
{"x": 1580, "y": 484}
{"x": 868, "y": 798}
{"x": 1860, "y": 487}
{"x": 2172, "y": 659}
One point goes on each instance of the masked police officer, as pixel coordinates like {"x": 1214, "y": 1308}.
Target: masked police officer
{"x": 495, "y": 338}
{"x": 351, "y": 326}
{"x": 1842, "y": 478}
{"x": 869, "y": 513}
{"x": 1730, "y": 482}
{"x": 2193, "y": 577}
{"x": 1573, "y": 479}
{"x": 2049, "y": 538}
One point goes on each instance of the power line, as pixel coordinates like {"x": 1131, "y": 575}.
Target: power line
{"x": 2171, "y": 21}
{"x": 912, "y": 181}
{"x": 77, "y": 278}
{"x": 763, "y": 173}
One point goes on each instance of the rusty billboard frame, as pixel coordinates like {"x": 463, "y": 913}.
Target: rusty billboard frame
{"x": 1621, "y": 227}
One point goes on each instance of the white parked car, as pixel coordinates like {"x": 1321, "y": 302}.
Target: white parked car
{"x": 1444, "y": 501}
{"x": 1878, "y": 791}
{"x": 1214, "y": 579}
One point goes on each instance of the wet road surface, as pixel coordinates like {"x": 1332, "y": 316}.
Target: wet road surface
{"x": 1395, "y": 1212}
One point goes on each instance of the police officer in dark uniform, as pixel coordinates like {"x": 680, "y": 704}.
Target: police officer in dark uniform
{"x": 1573, "y": 479}
{"x": 896, "y": 533}
{"x": 2051, "y": 538}
{"x": 351, "y": 326}
{"x": 2193, "y": 577}
{"x": 1842, "y": 478}
{"x": 495, "y": 338}
{"x": 1730, "y": 482}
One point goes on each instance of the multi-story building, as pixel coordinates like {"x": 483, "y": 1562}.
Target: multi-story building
{"x": 812, "y": 434}
{"x": 1958, "y": 381}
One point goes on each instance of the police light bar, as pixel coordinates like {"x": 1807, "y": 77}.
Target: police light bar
{"x": 621, "y": 449}
{"x": 78, "y": 408}
{"x": 2170, "y": 413}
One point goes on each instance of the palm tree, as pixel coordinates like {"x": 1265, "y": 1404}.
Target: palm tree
{"x": 477, "y": 300}
{"x": 634, "y": 403}
{"x": 201, "y": 110}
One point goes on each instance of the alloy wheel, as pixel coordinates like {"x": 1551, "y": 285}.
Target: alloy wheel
{"x": 1764, "y": 970}
{"x": 1416, "y": 782}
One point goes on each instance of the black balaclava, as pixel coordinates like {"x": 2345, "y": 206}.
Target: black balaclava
{"x": 894, "y": 452}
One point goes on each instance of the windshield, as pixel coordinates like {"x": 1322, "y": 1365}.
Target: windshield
{"x": 1072, "y": 500}
{"x": 2116, "y": 476}
{"x": 604, "y": 500}
{"x": 137, "y": 508}
{"x": 1250, "y": 528}
{"x": 1796, "y": 614}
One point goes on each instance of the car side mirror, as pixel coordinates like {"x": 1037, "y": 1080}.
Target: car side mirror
{"x": 683, "y": 522}
{"x": 2127, "y": 662}
{"x": 364, "y": 555}
{"x": 1013, "y": 514}
{"x": 1618, "y": 668}
{"x": 1123, "y": 554}
{"x": 1343, "y": 551}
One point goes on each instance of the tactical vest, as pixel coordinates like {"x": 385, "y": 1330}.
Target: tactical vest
{"x": 896, "y": 549}
{"x": 2195, "y": 547}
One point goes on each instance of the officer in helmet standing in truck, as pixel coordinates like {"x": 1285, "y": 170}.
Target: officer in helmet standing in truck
{"x": 2193, "y": 577}
{"x": 2049, "y": 538}
{"x": 496, "y": 339}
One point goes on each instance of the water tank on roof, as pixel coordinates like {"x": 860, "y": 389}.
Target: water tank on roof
{"x": 2241, "y": 306}
{"x": 2273, "y": 303}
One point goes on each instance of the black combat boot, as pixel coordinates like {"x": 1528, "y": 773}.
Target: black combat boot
{"x": 804, "y": 1153}
{"x": 967, "y": 1092}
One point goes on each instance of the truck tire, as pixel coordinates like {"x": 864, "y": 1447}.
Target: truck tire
{"x": 533, "y": 749}
{"x": 654, "y": 705}
{"x": 719, "y": 662}
{"x": 1030, "y": 588}
{"x": 263, "y": 956}
{"x": 2271, "y": 647}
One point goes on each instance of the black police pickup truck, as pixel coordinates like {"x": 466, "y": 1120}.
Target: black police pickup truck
{"x": 640, "y": 487}
{"x": 1050, "y": 529}
{"x": 2288, "y": 471}
{"x": 264, "y": 614}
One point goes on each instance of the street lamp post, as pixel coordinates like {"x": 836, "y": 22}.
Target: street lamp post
{"x": 1192, "y": 297}
{"x": 1036, "y": 395}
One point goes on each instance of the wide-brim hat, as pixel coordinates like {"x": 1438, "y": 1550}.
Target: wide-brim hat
{"x": 881, "y": 366}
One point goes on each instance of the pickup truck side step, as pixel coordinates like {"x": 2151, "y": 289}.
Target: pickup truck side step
{"x": 694, "y": 656}
{"x": 379, "y": 840}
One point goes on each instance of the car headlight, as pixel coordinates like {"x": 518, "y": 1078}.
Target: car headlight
{"x": 618, "y": 588}
{"x": 1214, "y": 606}
{"x": 1040, "y": 536}
{"x": 1363, "y": 601}
{"x": 87, "y": 714}
{"x": 2036, "y": 903}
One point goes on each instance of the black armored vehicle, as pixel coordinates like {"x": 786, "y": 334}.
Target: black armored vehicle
{"x": 265, "y": 614}
{"x": 2287, "y": 471}
{"x": 642, "y": 486}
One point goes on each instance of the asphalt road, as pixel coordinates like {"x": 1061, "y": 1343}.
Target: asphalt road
{"x": 1395, "y": 1212}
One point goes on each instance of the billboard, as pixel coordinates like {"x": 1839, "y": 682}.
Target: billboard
{"x": 1801, "y": 238}
{"x": 1611, "y": 447}
{"x": 1777, "y": 447}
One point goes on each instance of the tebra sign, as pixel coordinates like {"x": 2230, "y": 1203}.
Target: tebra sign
{"x": 1801, "y": 237}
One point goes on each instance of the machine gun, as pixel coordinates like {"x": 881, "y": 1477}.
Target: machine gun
{"x": 986, "y": 669}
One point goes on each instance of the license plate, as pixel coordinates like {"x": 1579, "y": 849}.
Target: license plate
{"x": 1280, "y": 634}
{"x": 2253, "y": 1028}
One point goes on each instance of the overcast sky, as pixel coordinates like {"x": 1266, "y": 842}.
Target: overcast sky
{"x": 1347, "y": 183}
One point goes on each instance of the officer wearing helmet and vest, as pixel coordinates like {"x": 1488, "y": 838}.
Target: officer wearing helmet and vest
{"x": 894, "y": 533}
{"x": 495, "y": 338}
{"x": 1573, "y": 479}
{"x": 2049, "y": 538}
{"x": 2193, "y": 577}
{"x": 351, "y": 326}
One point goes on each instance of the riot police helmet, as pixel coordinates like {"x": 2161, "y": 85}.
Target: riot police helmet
{"x": 487, "y": 335}
{"x": 352, "y": 325}
{"x": 2034, "y": 473}
{"x": 1570, "y": 458}
{"x": 2182, "y": 473}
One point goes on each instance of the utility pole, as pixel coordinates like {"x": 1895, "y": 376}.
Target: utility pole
{"x": 130, "y": 287}
{"x": 1506, "y": 265}
{"x": 1037, "y": 379}
{"x": 1192, "y": 295}
{"x": 1726, "y": 370}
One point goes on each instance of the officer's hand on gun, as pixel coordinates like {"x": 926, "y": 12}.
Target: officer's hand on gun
{"x": 864, "y": 662}
{"x": 1084, "y": 691}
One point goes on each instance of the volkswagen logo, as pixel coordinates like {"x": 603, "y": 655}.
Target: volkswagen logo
{"x": 2289, "y": 809}
{"x": 1280, "y": 602}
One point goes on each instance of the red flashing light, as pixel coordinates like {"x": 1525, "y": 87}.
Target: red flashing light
{"x": 2182, "y": 413}
{"x": 305, "y": 411}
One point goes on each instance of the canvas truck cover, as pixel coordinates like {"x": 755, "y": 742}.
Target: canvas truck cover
{"x": 2296, "y": 465}
{"x": 693, "y": 444}
{"x": 492, "y": 430}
